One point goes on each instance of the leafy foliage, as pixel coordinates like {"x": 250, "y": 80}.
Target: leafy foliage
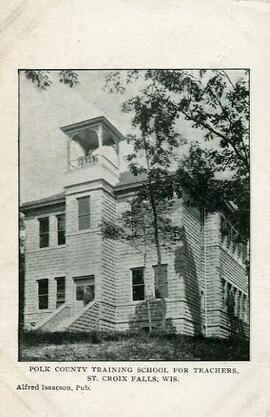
{"x": 153, "y": 150}
{"x": 212, "y": 102}
{"x": 43, "y": 80}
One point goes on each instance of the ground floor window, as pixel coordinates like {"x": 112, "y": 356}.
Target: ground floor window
{"x": 85, "y": 289}
{"x": 60, "y": 291}
{"x": 161, "y": 281}
{"x": 43, "y": 294}
{"x": 137, "y": 284}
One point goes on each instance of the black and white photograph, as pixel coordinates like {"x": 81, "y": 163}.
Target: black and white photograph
{"x": 134, "y": 214}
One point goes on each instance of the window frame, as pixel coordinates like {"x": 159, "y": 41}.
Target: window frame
{"x": 41, "y": 295}
{"x": 84, "y": 278}
{"x": 59, "y": 231}
{"x": 86, "y": 214}
{"x": 59, "y": 301}
{"x": 138, "y": 268}
{"x": 46, "y": 233}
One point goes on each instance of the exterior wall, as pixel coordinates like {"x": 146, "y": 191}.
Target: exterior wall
{"x": 183, "y": 309}
{"x": 222, "y": 263}
{"x": 232, "y": 270}
{"x": 108, "y": 265}
{"x": 45, "y": 263}
{"x": 83, "y": 247}
{"x": 213, "y": 298}
{"x": 197, "y": 266}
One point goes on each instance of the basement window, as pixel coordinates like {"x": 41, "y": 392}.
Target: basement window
{"x": 161, "y": 281}
{"x": 137, "y": 284}
{"x": 43, "y": 232}
{"x": 84, "y": 212}
{"x": 60, "y": 291}
{"x": 43, "y": 294}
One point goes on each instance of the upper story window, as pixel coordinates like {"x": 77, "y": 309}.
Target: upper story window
{"x": 84, "y": 212}
{"x": 161, "y": 281}
{"x": 61, "y": 229}
{"x": 44, "y": 232}
{"x": 43, "y": 294}
{"x": 137, "y": 284}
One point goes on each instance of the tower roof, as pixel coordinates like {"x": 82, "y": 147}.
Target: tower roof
{"x": 85, "y": 132}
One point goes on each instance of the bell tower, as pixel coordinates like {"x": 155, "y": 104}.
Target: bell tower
{"x": 92, "y": 172}
{"x": 92, "y": 151}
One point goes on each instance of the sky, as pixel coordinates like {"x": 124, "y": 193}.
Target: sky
{"x": 43, "y": 146}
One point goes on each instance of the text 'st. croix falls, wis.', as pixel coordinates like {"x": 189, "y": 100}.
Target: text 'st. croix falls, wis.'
{"x": 134, "y": 215}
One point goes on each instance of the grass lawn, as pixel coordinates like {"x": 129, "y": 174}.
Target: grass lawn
{"x": 101, "y": 346}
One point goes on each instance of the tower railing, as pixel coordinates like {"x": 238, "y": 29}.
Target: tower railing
{"x": 82, "y": 162}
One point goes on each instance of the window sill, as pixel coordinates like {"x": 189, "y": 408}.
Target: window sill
{"x": 84, "y": 231}
{"x": 48, "y": 248}
{"x": 150, "y": 300}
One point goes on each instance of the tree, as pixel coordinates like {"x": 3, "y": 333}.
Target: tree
{"x": 211, "y": 101}
{"x": 148, "y": 220}
{"x": 43, "y": 80}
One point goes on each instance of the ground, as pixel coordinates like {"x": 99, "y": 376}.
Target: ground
{"x": 98, "y": 346}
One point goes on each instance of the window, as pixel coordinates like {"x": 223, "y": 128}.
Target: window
{"x": 237, "y": 297}
{"x": 44, "y": 232}
{"x": 161, "y": 283}
{"x": 43, "y": 296}
{"x": 202, "y": 300}
{"x": 224, "y": 292}
{"x": 60, "y": 291}
{"x": 84, "y": 212}
{"x": 245, "y": 307}
{"x": 137, "y": 284}
{"x": 223, "y": 226}
{"x": 61, "y": 232}
{"x": 137, "y": 221}
{"x": 85, "y": 289}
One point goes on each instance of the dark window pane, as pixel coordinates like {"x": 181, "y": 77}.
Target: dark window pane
{"x": 89, "y": 294}
{"x": 44, "y": 232}
{"x": 61, "y": 222}
{"x": 61, "y": 225}
{"x": 44, "y": 241}
{"x": 137, "y": 284}
{"x": 43, "y": 302}
{"x": 85, "y": 289}
{"x": 61, "y": 237}
{"x": 43, "y": 294}
{"x": 84, "y": 212}
{"x": 42, "y": 286}
{"x": 84, "y": 205}
{"x": 60, "y": 291}
{"x": 79, "y": 292}
{"x": 138, "y": 292}
{"x": 60, "y": 282}
{"x": 137, "y": 276}
{"x": 84, "y": 222}
{"x": 44, "y": 225}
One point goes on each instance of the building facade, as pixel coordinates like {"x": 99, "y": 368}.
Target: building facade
{"x": 77, "y": 280}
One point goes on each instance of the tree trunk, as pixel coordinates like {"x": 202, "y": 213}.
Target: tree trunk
{"x": 156, "y": 234}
